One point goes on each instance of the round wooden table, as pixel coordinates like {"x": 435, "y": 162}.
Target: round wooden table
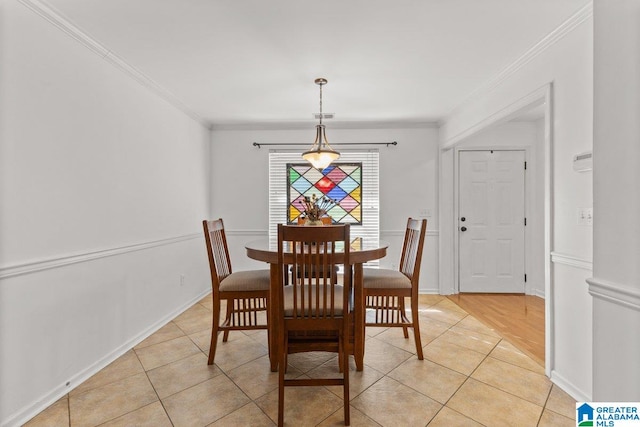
{"x": 361, "y": 251}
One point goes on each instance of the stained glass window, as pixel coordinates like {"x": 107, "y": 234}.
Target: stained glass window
{"x": 341, "y": 182}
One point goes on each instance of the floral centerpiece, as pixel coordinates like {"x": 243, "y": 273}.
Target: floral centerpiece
{"x": 314, "y": 208}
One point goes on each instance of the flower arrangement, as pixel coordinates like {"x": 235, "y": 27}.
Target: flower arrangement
{"x": 314, "y": 208}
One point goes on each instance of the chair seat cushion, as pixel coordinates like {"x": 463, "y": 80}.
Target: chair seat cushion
{"x": 288, "y": 299}
{"x": 382, "y": 278}
{"x": 250, "y": 280}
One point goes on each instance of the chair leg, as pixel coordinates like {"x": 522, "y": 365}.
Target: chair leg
{"x": 268, "y": 313}
{"x": 215, "y": 325}
{"x": 416, "y": 327}
{"x": 227, "y": 320}
{"x": 281, "y": 371}
{"x": 403, "y": 315}
{"x": 345, "y": 364}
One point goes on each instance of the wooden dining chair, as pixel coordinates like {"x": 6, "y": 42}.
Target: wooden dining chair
{"x": 246, "y": 293}
{"x": 313, "y": 313}
{"x": 326, "y": 220}
{"x": 385, "y": 290}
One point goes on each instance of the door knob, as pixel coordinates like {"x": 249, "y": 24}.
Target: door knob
{"x": 463, "y": 219}
{"x": 463, "y": 228}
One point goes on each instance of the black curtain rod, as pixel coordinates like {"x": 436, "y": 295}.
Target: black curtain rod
{"x": 259, "y": 145}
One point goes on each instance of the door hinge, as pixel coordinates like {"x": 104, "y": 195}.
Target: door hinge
{"x": 525, "y": 278}
{"x": 525, "y": 165}
{"x": 525, "y": 222}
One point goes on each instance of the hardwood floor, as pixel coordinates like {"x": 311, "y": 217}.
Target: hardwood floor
{"x": 518, "y": 318}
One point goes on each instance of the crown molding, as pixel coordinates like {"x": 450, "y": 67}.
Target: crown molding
{"x": 582, "y": 15}
{"x": 54, "y": 17}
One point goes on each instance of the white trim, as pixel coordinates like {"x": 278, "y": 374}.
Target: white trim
{"x": 66, "y": 26}
{"x": 615, "y": 293}
{"x": 49, "y": 263}
{"x": 44, "y": 401}
{"x": 505, "y": 114}
{"x": 567, "y": 386}
{"x": 538, "y": 293}
{"x": 549, "y": 40}
{"x": 564, "y": 259}
{"x": 428, "y": 291}
{"x": 263, "y": 232}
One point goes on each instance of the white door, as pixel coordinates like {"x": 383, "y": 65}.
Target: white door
{"x": 491, "y": 221}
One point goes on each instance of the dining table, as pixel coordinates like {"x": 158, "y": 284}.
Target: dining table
{"x": 362, "y": 250}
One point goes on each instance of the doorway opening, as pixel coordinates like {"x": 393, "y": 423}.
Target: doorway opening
{"x": 507, "y": 130}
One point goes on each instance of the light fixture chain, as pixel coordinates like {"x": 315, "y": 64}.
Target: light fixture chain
{"x": 321, "y": 103}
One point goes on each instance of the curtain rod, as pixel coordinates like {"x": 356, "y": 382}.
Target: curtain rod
{"x": 259, "y": 145}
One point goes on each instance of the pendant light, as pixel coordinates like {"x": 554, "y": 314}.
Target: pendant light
{"x": 320, "y": 155}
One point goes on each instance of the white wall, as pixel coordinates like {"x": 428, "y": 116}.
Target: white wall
{"x": 103, "y": 186}
{"x": 408, "y": 184}
{"x": 565, "y": 60}
{"x": 615, "y": 285}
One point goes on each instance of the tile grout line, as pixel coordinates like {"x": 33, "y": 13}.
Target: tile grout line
{"x": 146, "y": 373}
{"x": 223, "y": 372}
{"x": 545, "y": 405}
{"x": 467, "y": 376}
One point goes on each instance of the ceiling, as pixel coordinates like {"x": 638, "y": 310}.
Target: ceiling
{"x": 234, "y": 62}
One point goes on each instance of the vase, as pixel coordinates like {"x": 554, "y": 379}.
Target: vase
{"x": 313, "y": 222}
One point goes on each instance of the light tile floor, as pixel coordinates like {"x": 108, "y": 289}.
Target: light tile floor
{"x": 470, "y": 377}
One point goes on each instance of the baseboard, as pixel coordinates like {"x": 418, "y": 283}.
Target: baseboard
{"x": 42, "y": 403}
{"x": 429, "y": 291}
{"x": 538, "y": 293}
{"x": 568, "y": 387}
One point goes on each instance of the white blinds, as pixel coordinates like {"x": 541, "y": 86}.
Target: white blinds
{"x": 370, "y": 228}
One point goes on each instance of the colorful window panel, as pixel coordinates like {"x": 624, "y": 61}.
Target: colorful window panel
{"x": 340, "y": 181}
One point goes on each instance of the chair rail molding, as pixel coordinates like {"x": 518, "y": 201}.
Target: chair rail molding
{"x": 264, "y": 232}
{"x": 429, "y": 233}
{"x": 247, "y": 232}
{"x": 572, "y": 261}
{"x": 55, "y": 262}
{"x": 615, "y": 293}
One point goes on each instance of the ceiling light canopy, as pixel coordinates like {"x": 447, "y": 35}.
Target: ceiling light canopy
{"x": 321, "y": 155}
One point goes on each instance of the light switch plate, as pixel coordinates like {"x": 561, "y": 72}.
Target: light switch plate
{"x": 585, "y": 216}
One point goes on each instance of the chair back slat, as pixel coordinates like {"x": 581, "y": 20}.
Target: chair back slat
{"x": 219, "y": 259}
{"x": 412, "y": 248}
{"x": 314, "y": 251}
